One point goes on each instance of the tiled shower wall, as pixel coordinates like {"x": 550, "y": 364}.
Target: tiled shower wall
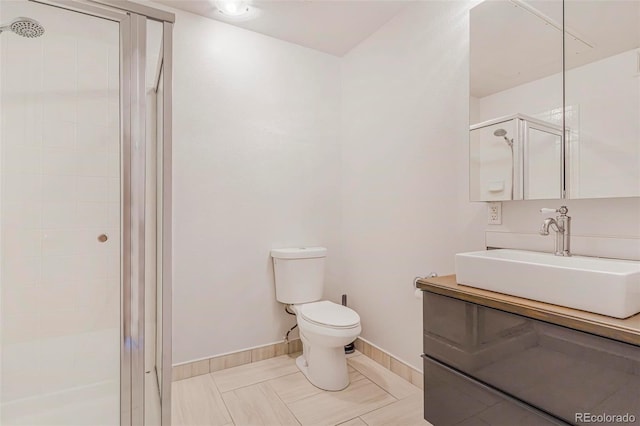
{"x": 60, "y": 287}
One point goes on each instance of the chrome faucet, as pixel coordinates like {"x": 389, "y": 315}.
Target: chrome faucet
{"x": 562, "y": 225}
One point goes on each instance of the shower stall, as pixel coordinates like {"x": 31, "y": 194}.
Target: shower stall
{"x": 85, "y": 213}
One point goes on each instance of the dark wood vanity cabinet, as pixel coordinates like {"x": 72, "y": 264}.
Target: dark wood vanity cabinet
{"x": 484, "y": 366}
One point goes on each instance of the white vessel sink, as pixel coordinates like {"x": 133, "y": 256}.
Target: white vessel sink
{"x": 603, "y": 286}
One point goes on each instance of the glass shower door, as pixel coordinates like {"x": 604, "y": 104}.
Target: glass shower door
{"x": 60, "y": 276}
{"x": 85, "y": 213}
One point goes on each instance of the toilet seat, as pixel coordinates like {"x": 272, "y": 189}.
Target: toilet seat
{"x": 329, "y": 314}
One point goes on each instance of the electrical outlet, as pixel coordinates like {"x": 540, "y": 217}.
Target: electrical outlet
{"x": 495, "y": 213}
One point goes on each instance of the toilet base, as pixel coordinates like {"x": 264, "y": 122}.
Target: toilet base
{"x": 325, "y": 368}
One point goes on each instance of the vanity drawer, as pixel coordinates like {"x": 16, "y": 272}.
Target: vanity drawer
{"x": 452, "y": 398}
{"x": 558, "y": 370}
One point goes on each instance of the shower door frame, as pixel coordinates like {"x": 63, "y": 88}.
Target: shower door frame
{"x": 132, "y": 18}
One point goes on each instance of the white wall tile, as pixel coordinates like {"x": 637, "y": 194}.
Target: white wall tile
{"x": 93, "y": 109}
{"x": 59, "y": 161}
{"x": 113, "y": 190}
{"x": 56, "y": 322}
{"x": 93, "y": 215}
{"x": 93, "y": 292}
{"x": 32, "y": 124}
{"x": 22, "y": 242}
{"x": 18, "y": 300}
{"x": 89, "y": 244}
{"x": 94, "y": 138}
{"x": 113, "y": 162}
{"x": 20, "y": 370}
{"x": 100, "y": 349}
{"x": 57, "y": 370}
{"x": 60, "y": 214}
{"x": 20, "y": 327}
{"x": 113, "y": 213}
{"x": 92, "y": 189}
{"x": 13, "y": 130}
{"x": 93, "y": 67}
{"x": 61, "y": 242}
{"x": 59, "y": 268}
{"x": 60, "y": 108}
{"x": 59, "y": 188}
{"x": 60, "y": 133}
{"x": 105, "y": 317}
{"x": 93, "y": 82}
{"x": 20, "y": 159}
{"x": 23, "y": 77}
{"x": 21, "y": 214}
{"x": 60, "y": 64}
{"x": 19, "y": 270}
{"x": 92, "y": 266}
{"x": 93, "y": 164}
{"x": 59, "y": 295}
{"x": 114, "y": 69}
{"x": 21, "y": 188}
{"x": 113, "y": 265}
{"x": 58, "y": 96}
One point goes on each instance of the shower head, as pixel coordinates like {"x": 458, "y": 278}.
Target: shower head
{"x": 25, "y": 27}
{"x": 502, "y": 133}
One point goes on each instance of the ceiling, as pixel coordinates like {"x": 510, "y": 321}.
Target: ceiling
{"x": 513, "y": 42}
{"x": 333, "y": 27}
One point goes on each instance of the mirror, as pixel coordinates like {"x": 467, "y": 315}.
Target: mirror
{"x": 602, "y": 84}
{"x": 526, "y": 142}
{"x": 516, "y": 143}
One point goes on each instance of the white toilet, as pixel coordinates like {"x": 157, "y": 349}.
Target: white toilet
{"x": 325, "y": 327}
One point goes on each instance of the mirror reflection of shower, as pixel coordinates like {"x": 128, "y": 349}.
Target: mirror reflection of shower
{"x": 502, "y": 133}
{"x": 24, "y": 27}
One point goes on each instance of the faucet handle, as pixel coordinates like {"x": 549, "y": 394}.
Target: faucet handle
{"x": 562, "y": 210}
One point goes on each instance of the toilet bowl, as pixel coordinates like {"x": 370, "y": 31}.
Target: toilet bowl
{"x": 325, "y": 328}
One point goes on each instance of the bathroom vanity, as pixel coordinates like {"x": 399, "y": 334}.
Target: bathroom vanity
{"x": 495, "y": 359}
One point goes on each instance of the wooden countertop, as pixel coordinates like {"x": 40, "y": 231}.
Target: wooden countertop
{"x": 624, "y": 330}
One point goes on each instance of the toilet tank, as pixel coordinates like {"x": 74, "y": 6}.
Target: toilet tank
{"x": 299, "y": 274}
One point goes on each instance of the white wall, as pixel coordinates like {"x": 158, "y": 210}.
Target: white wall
{"x": 256, "y": 152}
{"x": 260, "y": 126}
{"x": 405, "y": 160}
{"x": 405, "y": 172}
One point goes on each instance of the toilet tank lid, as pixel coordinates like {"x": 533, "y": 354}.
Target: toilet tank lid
{"x": 299, "y": 252}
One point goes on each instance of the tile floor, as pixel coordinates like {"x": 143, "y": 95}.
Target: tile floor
{"x": 274, "y": 392}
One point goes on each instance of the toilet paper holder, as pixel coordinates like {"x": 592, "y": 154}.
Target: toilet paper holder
{"x": 415, "y": 280}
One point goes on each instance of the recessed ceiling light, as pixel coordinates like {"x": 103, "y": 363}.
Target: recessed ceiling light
{"x": 232, "y": 7}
